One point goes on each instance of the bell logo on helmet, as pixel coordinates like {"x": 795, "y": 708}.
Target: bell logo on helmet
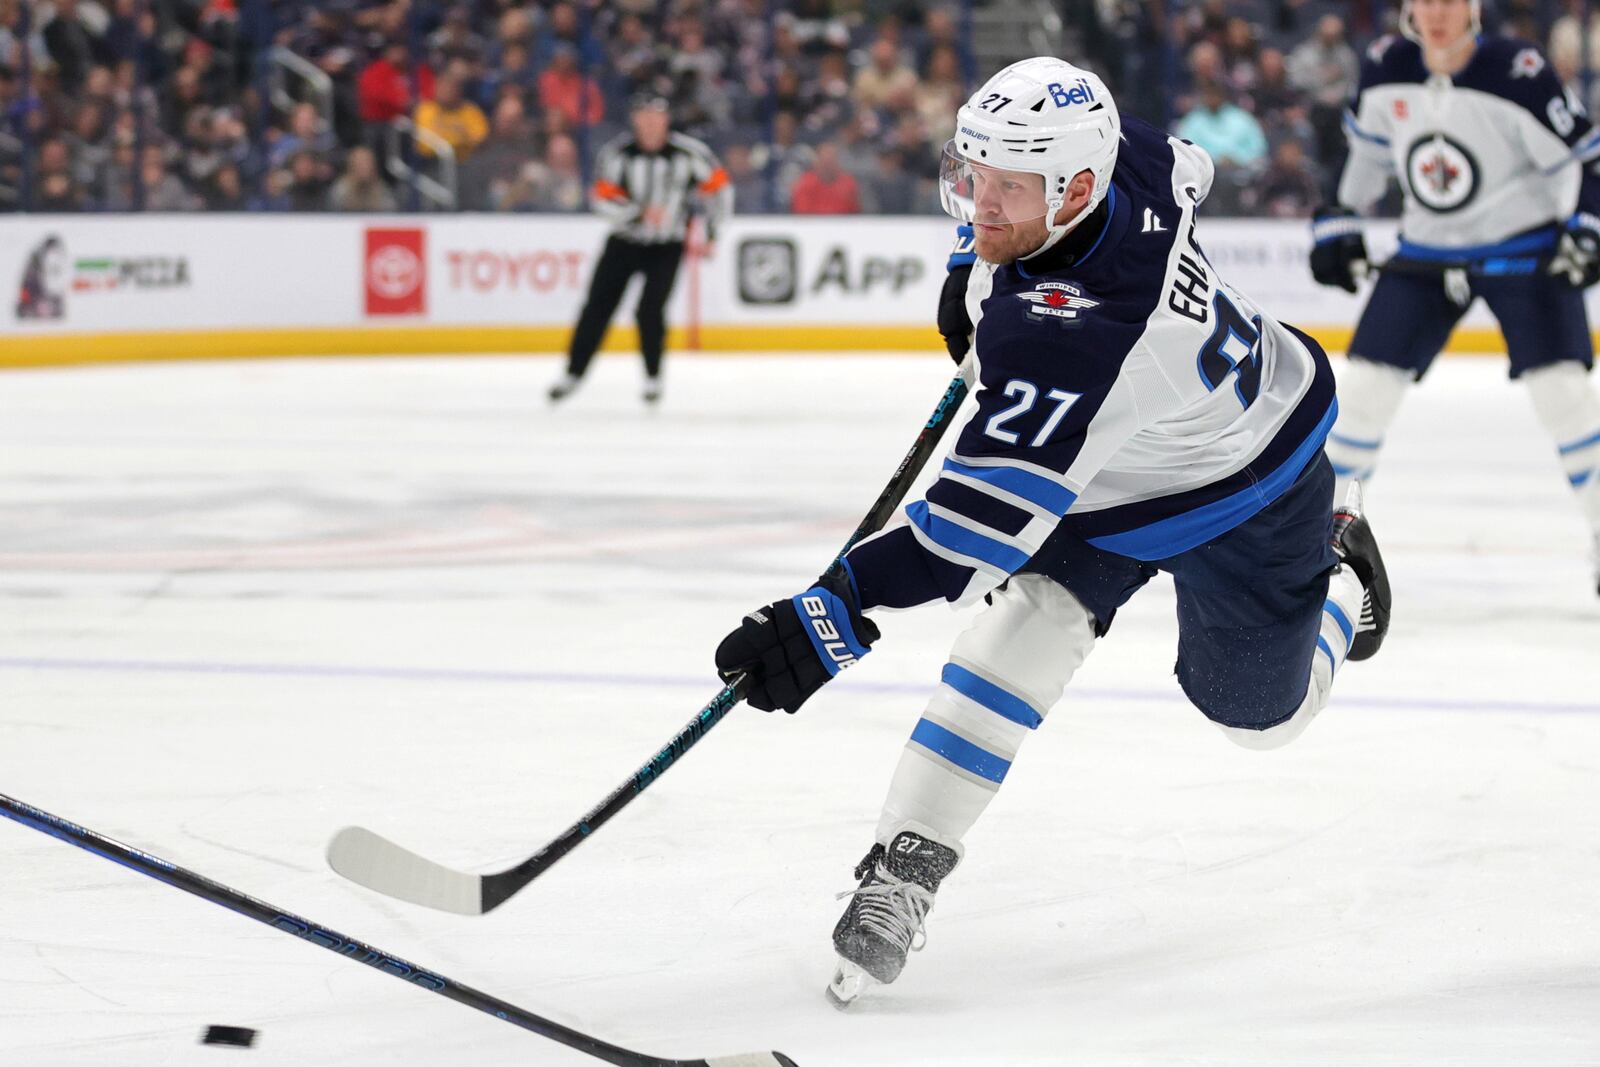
{"x": 1080, "y": 93}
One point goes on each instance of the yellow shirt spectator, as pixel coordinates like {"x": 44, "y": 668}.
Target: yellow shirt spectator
{"x": 458, "y": 121}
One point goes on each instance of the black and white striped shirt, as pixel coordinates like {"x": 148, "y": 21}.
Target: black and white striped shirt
{"x": 649, "y": 196}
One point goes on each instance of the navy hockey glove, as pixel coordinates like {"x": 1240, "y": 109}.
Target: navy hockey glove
{"x": 954, "y": 325}
{"x": 791, "y": 648}
{"x": 1577, "y": 255}
{"x": 1338, "y": 250}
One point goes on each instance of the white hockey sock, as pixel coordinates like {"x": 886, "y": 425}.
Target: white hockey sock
{"x": 1369, "y": 396}
{"x": 1569, "y": 410}
{"x": 1005, "y": 673}
{"x": 1341, "y": 616}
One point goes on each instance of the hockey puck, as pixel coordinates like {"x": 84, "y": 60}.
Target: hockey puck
{"x": 233, "y": 1036}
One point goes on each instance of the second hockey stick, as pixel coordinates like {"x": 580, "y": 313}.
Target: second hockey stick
{"x": 376, "y": 862}
{"x": 305, "y": 930}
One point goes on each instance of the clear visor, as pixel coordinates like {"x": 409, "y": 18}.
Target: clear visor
{"x": 975, "y": 192}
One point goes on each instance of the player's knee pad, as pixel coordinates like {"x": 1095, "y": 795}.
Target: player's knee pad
{"x": 1030, "y": 639}
{"x": 1369, "y": 395}
{"x": 1005, "y": 672}
{"x": 1334, "y": 638}
{"x": 1564, "y": 400}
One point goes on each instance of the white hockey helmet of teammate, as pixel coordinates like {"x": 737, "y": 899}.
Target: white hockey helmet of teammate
{"x": 1040, "y": 116}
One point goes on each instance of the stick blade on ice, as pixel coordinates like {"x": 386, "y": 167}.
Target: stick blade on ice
{"x": 752, "y": 1059}
{"x": 379, "y": 864}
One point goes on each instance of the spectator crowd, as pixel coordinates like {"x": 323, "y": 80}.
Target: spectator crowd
{"x": 815, "y": 106}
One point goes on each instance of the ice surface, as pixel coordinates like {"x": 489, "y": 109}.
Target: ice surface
{"x": 242, "y": 605}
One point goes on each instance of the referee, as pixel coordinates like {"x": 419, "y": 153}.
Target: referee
{"x": 648, "y": 185}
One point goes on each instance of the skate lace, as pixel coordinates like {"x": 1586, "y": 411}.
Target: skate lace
{"x": 894, "y": 911}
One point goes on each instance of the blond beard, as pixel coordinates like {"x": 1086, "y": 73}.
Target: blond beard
{"x": 1010, "y": 245}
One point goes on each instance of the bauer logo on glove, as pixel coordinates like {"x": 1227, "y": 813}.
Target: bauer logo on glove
{"x": 810, "y": 639}
{"x": 825, "y": 634}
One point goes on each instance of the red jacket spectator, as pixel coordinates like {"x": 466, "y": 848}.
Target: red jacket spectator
{"x": 383, "y": 92}
{"x": 827, "y": 188}
{"x": 563, "y": 87}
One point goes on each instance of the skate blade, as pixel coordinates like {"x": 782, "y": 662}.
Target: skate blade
{"x": 1353, "y": 499}
{"x": 849, "y": 982}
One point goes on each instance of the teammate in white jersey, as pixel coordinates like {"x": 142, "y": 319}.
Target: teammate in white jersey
{"x": 1501, "y": 202}
{"x": 1135, "y": 414}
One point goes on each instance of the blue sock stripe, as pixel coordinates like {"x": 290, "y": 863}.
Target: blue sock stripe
{"x": 991, "y": 696}
{"x": 959, "y": 751}
{"x": 1322, "y": 646}
{"x": 1355, "y": 442}
{"x": 1582, "y": 442}
{"x": 1341, "y": 620}
{"x": 1580, "y": 478}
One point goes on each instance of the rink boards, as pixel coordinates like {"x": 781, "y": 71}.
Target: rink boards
{"x": 106, "y": 288}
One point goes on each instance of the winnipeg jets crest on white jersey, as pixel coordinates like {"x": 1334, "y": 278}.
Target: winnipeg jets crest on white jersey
{"x": 1483, "y": 157}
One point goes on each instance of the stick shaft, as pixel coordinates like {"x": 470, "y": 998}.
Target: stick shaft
{"x": 497, "y": 888}
{"x": 306, "y": 930}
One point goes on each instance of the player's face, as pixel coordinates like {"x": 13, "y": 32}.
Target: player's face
{"x": 1008, "y": 213}
{"x": 1441, "y": 23}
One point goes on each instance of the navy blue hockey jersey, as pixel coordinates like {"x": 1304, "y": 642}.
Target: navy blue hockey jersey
{"x": 1122, "y": 388}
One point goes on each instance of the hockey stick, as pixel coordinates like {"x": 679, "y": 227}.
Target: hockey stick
{"x": 378, "y": 863}
{"x": 1492, "y": 267}
{"x": 278, "y": 919}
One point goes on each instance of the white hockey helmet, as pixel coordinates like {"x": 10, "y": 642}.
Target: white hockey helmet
{"x": 1408, "y": 24}
{"x": 1041, "y": 116}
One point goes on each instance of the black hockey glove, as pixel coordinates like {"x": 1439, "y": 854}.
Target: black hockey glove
{"x": 954, "y": 324}
{"x": 1577, "y": 255}
{"x": 791, "y": 648}
{"x": 1338, "y": 250}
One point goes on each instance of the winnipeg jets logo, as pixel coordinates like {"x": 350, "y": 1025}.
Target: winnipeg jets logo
{"x": 1057, "y": 302}
{"x": 1527, "y": 64}
{"x": 1441, "y": 174}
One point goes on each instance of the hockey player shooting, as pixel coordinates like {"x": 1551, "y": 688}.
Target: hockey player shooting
{"x": 1135, "y": 414}
{"x": 1501, "y": 202}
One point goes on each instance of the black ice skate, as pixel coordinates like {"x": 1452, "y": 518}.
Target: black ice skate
{"x": 564, "y": 388}
{"x": 883, "y": 921}
{"x": 1358, "y": 550}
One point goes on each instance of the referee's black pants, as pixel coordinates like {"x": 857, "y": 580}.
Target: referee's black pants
{"x": 619, "y": 262}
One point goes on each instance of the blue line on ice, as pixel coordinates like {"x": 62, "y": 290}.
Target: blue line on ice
{"x": 701, "y": 681}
